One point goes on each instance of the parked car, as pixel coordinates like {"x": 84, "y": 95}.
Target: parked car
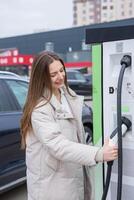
{"x": 78, "y": 82}
{"x": 13, "y": 91}
{"x": 12, "y": 74}
{"x": 5, "y": 73}
{"x": 88, "y": 78}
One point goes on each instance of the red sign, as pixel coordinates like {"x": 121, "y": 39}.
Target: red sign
{"x": 28, "y": 60}
{"x": 16, "y": 60}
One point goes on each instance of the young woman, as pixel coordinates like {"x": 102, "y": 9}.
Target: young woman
{"x": 56, "y": 157}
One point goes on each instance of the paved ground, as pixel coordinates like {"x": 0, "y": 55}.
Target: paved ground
{"x": 18, "y": 193}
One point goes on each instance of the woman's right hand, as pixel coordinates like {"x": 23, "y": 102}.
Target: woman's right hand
{"x": 110, "y": 152}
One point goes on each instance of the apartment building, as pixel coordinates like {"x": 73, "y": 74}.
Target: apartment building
{"x": 86, "y": 12}
{"x": 95, "y": 11}
{"x": 115, "y": 10}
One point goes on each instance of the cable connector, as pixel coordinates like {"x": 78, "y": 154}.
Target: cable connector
{"x": 126, "y": 60}
{"x": 126, "y": 125}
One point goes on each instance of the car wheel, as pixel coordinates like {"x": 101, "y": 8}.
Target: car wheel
{"x": 88, "y": 134}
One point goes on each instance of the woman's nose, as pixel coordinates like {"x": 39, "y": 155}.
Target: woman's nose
{"x": 60, "y": 75}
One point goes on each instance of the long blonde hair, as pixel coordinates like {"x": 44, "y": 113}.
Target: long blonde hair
{"x": 39, "y": 82}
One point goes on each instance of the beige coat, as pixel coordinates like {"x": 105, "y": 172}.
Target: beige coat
{"x": 54, "y": 155}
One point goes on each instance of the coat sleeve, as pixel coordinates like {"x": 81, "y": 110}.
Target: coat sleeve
{"x": 49, "y": 133}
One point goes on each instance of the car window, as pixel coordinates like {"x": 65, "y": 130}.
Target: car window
{"x": 5, "y": 104}
{"x": 70, "y": 76}
{"x": 79, "y": 76}
{"x": 75, "y": 76}
{"x": 89, "y": 78}
{"x": 19, "y": 89}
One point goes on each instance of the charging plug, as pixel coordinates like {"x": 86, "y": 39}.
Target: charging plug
{"x": 126, "y": 125}
{"x": 126, "y": 60}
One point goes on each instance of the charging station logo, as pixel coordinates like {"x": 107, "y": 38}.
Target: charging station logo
{"x": 111, "y": 90}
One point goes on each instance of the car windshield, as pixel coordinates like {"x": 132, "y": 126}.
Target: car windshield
{"x": 75, "y": 76}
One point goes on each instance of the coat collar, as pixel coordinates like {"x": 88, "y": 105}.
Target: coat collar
{"x": 55, "y": 103}
{"x": 59, "y": 112}
{"x": 75, "y": 102}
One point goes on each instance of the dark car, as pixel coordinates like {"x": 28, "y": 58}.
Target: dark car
{"x": 13, "y": 93}
{"x": 88, "y": 78}
{"x": 78, "y": 82}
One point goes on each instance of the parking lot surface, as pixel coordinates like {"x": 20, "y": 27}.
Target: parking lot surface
{"x": 18, "y": 193}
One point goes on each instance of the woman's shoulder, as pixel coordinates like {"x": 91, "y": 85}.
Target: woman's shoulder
{"x": 42, "y": 105}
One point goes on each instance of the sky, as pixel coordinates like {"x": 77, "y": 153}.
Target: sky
{"x": 20, "y": 17}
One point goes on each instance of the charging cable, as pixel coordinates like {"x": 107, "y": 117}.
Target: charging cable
{"x": 126, "y": 125}
{"x": 123, "y": 124}
{"x": 125, "y": 62}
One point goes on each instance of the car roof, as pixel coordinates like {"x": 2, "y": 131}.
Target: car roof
{"x": 72, "y": 70}
{"x": 5, "y": 73}
{"x": 8, "y": 77}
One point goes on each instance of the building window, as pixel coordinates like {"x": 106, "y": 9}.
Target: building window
{"x": 75, "y": 8}
{"x": 122, "y": 6}
{"x": 122, "y": 13}
{"x": 130, "y": 5}
{"x": 91, "y": 17}
{"x": 104, "y": 7}
{"x": 105, "y": 15}
{"x": 111, "y": 7}
{"x": 75, "y": 15}
{"x": 84, "y": 11}
{"x": 130, "y": 12}
{"x": 84, "y": 4}
{"x": 75, "y": 22}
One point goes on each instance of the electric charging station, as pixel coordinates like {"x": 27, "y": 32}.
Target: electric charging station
{"x": 111, "y": 47}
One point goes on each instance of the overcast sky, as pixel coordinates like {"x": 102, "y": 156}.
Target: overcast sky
{"x": 19, "y": 17}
